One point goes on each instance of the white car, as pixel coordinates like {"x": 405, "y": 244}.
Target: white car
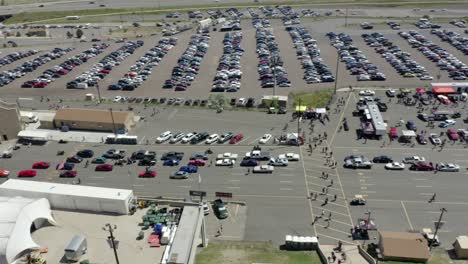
{"x": 395, "y": 166}
{"x": 206, "y": 208}
{"x": 117, "y": 99}
{"x": 448, "y": 167}
{"x": 447, "y": 123}
{"x": 177, "y": 137}
{"x": 278, "y": 162}
{"x": 263, "y": 169}
{"x": 188, "y": 137}
{"x": 367, "y": 93}
{"x": 165, "y": 136}
{"x": 426, "y": 78}
{"x": 225, "y": 162}
{"x": 413, "y": 159}
{"x": 212, "y": 139}
{"x": 290, "y": 156}
{"x": 391, "y": 92}
{"x": 435, "y": 139}
{"x": 265, "y": 138}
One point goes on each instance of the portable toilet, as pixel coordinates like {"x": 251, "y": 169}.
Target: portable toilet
{"x": 76, "y": 248}
{"x": 288, "y": 241}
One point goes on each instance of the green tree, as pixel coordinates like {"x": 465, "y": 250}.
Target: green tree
{"x": 69, "y": 34}
{"x": 18, "y": 34}
{"x": 274, "y": 102}
{"x": 79, "y": 33}
{"x": 217, "y": 101}
{"x": 3, "y": 2}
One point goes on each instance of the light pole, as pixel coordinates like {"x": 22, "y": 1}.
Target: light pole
{"x": 337, "y": 70}
{"x": 111, "y": 237}
{"x": 98, "y": 92}
{"x": 431, "y": 240}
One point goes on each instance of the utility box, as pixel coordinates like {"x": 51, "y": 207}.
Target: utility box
{"x": 76, "y": 248}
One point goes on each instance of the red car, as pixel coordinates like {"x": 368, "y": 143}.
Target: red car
{"x": 68, "y": 174}
{"x": 41, "y": 165}
{"x": 147, "y": 174}
{"x": 197, "y": 162}
{"x": 104, "y": 167}
{"x": 452, "y": 134}
{"x": 422, "y": 166}
{"x": 104, "y": 71}
{"x": 40, "y": 85}
{"x": 27, "y": 173}
{"x": 236, "y": 139}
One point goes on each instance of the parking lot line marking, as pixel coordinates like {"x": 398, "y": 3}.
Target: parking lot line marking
{"x": 461, "y": 160}
{"x": 286, "y": 175}
{"x": 183, "y": 186}
{"x": 330, "y": 188}
{"x": 363, "y": 188}
{"x": 253, "y": 141}
{"x": 333, "y": 229}
{"x": 407, "y": 216}
{"x": 333, "y": 203}
{"x": 233, "y": 187}
{"x": 234, "y": 180}
{"x": 368, "y": 192}
{"x": 368, "y": 184}
{"x": 285, "y": 181}
{"x": 328, "y": 210}
{"x": 289, "y": 169}
{"x": 142, "y": 140}
{"x": 243, "y": 140}
{"x": 426, "y": 194}
{"x": 417, "y": 172}
{"x": 423, "y": 186}
{"x": 433, "y": 212}
{"x": 96, "y": 177}
{"x": 337, "y": 239}
{"x": 420, "y": 179}
{"x": 396, "y": 148}
{"x": 286, "y": 189}
{"x": 91, "y": 183}
{"x": 341, "y": 118}
{"x": 339, "y": 222}
{"x": 237, "y": 173}
{"x": 307, "y": 189}
{"x": 308, "y": 158}
{"x": 138, "y": 185}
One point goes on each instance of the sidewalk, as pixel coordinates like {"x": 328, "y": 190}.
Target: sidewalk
{"x": 352, "y": 254}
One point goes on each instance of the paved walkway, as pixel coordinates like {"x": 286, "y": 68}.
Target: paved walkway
{"x": 352, "y": 254}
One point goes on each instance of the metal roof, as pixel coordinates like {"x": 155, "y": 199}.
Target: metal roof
{"x": 92, "y": 115}
{"x": 66, "y": 189}
{"x": 377, "y": 119}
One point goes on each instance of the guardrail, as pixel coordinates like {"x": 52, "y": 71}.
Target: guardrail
{"x": 366, "y": 255}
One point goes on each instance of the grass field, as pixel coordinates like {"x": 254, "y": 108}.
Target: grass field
{"x": 252, "y": 252}
{"x": 27, "y": 17}
{"x": 313, "y": 99}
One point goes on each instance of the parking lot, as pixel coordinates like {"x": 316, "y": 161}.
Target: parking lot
{"x": 396, "y": 200}
{"x": 289, "y": 71}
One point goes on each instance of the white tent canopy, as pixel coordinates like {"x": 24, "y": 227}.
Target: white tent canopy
{"x": 17, "y": 214}
{"x": 408, "y": 133}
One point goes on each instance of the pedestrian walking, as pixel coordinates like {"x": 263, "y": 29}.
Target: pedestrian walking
{"x": 326, "y": 200}
{"x": 331, "y": 182}
{"x": 248, "y": 171}
{"x": 432, "y": 198}
{"x": 323, "y": 213}
{"x": 335, "y": 197}
{"x": 323, "y": 190}
{"x": 329, "y": 216}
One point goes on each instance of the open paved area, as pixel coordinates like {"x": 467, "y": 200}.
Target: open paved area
{"x": 309, "y": 197}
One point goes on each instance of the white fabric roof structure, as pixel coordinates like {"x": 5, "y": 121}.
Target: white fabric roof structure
{"x": 408, "y": 133}
{"x": 17, "y": 214}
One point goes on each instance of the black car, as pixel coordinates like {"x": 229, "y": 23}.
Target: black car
{"x": 199, "y": 138}
{"x": 85, "y": 153}
{"x": 421, "y": 139}
{"x": 382, "y": 159}
{"x": 172, "y": 155}
{"x": 147, "y": 162}
{"x": 74, "y": 159}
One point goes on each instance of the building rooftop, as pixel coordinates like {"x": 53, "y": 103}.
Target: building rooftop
{"x": 404, "y": 245}
{"x": 92, "y": 115}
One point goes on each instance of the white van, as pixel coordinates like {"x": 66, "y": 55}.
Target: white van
{"x": 82, "y": 85}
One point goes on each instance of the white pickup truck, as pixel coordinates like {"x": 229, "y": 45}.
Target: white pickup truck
{"x": 227, "y": 155}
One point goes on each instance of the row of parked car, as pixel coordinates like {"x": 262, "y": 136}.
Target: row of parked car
{"x": 307, "y": 51}
{"x": 67, "y": 66}
{"x": 196, "y": 137}
{"x": 9, "y": 76}
{"x": 228, "y": 74}
{"x": 100, "y": 70}
{"x": 290, "y": 16}
{"x": 188, "y": 64}
{"x": 454, "y": 38}
{"x": 400, "y": 60}
{"x": 445, "y": 60}
{"x": 356, "y": 62}
{"x": 424, "y": 23}
{"x": 14, "y": 56}
{"x": 270, "y": 65}
{"x": 142, "y": 69}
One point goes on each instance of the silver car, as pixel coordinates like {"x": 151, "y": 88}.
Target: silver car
{"x": 179, "y": 175}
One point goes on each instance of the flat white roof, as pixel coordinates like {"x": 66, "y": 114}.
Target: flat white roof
{"x": 67, "y": 189}
{"x": 450, "y": 84}
{"x": 33, "y": 134}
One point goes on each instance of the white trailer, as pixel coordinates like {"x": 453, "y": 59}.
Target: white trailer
{"x": 228, "y": 155}
{"x": 72, "y": 197}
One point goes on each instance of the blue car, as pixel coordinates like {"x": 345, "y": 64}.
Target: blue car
{"x": 249, "y": 163}
{"x": 171, "y": 162}
{"x": 115, "y": 87}
{"x": 189, "y": 168}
